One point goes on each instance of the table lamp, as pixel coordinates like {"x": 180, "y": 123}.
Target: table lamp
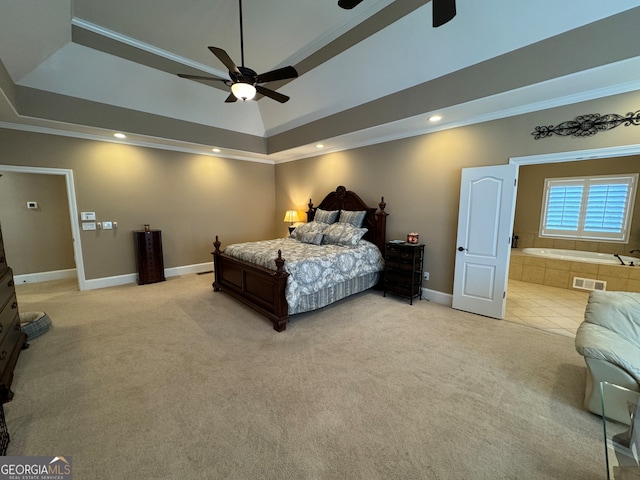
{"x": 291, "y": 216}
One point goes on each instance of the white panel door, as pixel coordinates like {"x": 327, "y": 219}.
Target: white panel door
{"x": 485, "y": 220}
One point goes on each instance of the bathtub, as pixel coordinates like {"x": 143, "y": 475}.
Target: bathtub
{"x": 580, "y": 256}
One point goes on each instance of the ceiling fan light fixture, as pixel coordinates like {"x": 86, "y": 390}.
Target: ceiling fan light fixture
{"x": 243, "y": 91}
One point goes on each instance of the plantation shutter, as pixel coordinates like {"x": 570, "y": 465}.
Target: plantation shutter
{"x": 563, "y": 212}
{"x": 590, "y": 208}
{"x": 606, "y": 208}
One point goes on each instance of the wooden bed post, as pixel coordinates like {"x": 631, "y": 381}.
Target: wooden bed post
{"x": 381, "y": 225}
{"x": 215, "y": 254}
{"x": 279, "y": 261}
{"x": 311, "y": 213}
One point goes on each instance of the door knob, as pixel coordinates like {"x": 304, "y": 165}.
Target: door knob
{"x": 461, "y": 249}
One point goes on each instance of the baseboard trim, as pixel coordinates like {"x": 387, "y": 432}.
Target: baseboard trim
{"x": 105, "y": 282}
{"x": 438, "y": 297}
{"x": 187, "y": 269}
{"x": 45, "y": 276}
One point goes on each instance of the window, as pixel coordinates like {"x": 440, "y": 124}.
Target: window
{"x": 590, "y": 208}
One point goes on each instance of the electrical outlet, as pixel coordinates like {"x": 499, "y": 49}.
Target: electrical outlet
{"x": 426, "y": 276}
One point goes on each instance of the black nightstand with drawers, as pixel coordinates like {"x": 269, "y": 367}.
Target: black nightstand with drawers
{"x": 403, "y": 269}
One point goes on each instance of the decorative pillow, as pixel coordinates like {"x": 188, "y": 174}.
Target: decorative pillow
{"x": 312, "y": 238}
{"x": 326, "y": 216}
{"x": 355, "y": 218}
{"x": 343, "y": 234}
{"x": 308, "y": 228}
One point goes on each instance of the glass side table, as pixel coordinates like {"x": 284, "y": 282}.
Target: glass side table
{"x": 621, "y": 424}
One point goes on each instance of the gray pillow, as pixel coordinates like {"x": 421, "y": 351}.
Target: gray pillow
{"x": 326, "y": 216}
{"x": 308, "y": 228}
{"x": 355, "y": 218}
{"x": 343, "y": 234}
{"x": 312, "y": 238}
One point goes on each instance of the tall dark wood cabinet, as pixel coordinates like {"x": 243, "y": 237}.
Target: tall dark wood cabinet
{"x": 149, "y": 260}
{"x": 403, "y": 270}
{"x": 12, "y": 339}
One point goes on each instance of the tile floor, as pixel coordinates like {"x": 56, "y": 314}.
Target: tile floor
{"x": 556, "y": 310}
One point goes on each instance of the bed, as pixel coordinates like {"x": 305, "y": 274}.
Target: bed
{"x": 259, "y": 275}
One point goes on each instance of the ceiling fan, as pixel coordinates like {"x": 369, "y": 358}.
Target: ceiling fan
{"x": 443, "y": 10}
{"x": 245, "y": 82}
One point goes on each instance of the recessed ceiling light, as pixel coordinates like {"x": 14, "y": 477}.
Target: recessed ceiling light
{"x": 319, "y": 145}
{"x": 119, "y": 135}
{"x": 435, "y": 118}
{"x": 216, "y": 150}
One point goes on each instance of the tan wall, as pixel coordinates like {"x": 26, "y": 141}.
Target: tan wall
{"x": 191, "y": 198}
{"x": 531, "y": 193}
{"x": 420, "y": 176}
{"x": 35, "y": 240}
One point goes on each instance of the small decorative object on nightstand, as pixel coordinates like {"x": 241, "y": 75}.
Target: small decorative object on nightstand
{"x": 403, "y": 269}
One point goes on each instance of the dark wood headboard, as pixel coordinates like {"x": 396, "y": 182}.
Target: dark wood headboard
{"x": 375, "y": 221}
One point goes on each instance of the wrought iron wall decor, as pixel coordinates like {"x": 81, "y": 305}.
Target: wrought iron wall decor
{"x": 587, "y": 125}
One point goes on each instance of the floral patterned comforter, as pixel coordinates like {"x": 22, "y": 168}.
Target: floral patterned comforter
{"x": 311, "y": 267}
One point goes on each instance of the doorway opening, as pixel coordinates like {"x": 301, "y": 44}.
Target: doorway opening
{"x": 554, "y": 309}
{"x": 73, "y": 211}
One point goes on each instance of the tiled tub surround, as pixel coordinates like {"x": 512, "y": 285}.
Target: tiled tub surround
{"x": 560, "y": 273}
{"x": 534, "y": 240}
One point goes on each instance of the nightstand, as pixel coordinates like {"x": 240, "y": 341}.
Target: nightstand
{"x": 403, "y": 270}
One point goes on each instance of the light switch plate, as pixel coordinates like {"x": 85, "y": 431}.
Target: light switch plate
{"x": 107, "y": 226}
{"x": 84, "y": 216}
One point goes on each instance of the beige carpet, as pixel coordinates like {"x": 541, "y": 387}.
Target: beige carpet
{"x": 174, "y": 381}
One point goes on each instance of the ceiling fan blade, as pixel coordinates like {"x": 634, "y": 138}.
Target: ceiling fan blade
{"x": 279, "y": 74}
{"x": 348, "y": 4}
{"x": 200, "y": 77}
{"x": 225, "y": 59}
{"x": 231, "y": 98}
{"x": 278, "y": 97}
{"x": 443, "y": 11}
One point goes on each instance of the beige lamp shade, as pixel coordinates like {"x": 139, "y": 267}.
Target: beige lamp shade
{"x": 291, "y": 216}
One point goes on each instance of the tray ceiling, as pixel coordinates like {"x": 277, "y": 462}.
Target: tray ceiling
{"x": 377, "y": 72}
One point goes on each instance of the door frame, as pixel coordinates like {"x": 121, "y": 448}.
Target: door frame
{"x": 554, "y": 157}
{"x": 577, "y": 155}
{"x": 73, "y": 211}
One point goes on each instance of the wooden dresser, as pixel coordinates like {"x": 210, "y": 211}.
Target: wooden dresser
{"x": 12, "y": 339}
{"x": 149, "y": 259}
